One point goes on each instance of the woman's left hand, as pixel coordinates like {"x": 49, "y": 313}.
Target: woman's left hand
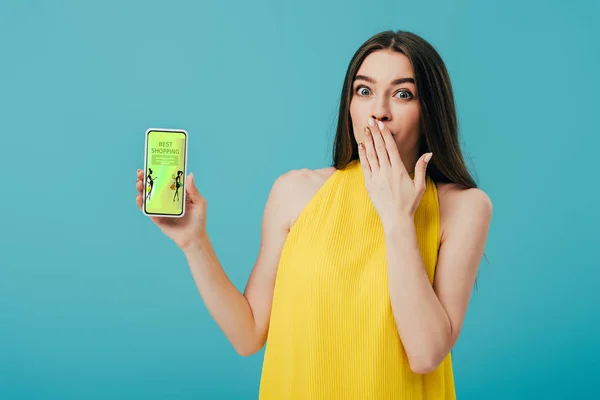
{"x": 394, "y": 194}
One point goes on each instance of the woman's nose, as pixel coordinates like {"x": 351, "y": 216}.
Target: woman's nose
{"x": 378, "y": 117}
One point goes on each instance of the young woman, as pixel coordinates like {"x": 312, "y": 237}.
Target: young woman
{"x": 366, "y": 267}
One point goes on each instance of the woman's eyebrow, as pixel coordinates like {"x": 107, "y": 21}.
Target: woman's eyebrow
{"x": 394, "y": 82}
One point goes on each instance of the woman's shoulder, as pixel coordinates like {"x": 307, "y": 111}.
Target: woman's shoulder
{"x": 300, "y": 186}
{"x": 305, "y": 179}
{"x": 455, "y": 201}
{"x": 452, "y": 193}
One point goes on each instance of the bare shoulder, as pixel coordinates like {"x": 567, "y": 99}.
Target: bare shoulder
{"x": 458, "y": 204}
{"x": 299, "y": 186}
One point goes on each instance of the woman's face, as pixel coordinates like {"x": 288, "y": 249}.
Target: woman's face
{"x": 378, "y": 95}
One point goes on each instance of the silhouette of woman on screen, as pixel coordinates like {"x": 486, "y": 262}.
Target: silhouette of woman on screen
{"x": 149, "y": 181}
{"x": 177, "y": 185}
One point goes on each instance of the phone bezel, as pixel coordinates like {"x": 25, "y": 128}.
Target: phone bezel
{"x": 146, "y": 169}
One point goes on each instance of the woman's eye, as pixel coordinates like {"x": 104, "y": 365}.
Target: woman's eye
{"x": 405, "y": 94}
{"x": 361, "y": 90}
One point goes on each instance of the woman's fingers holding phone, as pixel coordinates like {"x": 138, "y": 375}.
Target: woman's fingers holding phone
{"x": 192, "y": 191}
{"x": 139, "y": 186}
{"x": 138, "y": 200}
{"x": 181, "y": 230}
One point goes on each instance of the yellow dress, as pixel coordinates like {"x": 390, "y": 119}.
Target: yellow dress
{"x": 332, "y": 334}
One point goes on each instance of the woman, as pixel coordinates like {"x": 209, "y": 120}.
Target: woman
{"x": 365, "y": 268}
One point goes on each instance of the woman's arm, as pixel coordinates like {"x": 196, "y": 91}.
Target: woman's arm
{"x": 429, "y": 318}
{"x": 244, "y": 318}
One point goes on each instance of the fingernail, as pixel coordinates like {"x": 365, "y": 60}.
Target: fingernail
{"x": 367, "y": 130}
{"x": 428, "y": 157}
{"x": 371, "y": 122}
{"x": 380, "y": 124}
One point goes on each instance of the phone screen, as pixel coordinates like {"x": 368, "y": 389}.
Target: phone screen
{"x": 165, "y": 172}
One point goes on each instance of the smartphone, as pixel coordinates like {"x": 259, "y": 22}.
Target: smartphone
{"x": 165, "y": 169}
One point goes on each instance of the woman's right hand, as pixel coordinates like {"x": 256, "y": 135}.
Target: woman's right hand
{"x": 188, "y": 230}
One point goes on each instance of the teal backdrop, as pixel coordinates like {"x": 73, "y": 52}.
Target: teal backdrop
{"x": 96, "y": 303}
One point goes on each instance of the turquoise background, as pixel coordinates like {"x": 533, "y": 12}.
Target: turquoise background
{"x": 96, "y": 303}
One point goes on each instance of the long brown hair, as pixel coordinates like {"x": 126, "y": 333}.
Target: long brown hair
{"x": 438, "y": 123}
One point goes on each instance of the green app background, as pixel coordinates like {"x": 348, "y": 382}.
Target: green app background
{"x": 165, "y": 172}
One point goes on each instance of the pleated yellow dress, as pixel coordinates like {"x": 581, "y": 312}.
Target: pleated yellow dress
{"x": 332, "y": 333}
